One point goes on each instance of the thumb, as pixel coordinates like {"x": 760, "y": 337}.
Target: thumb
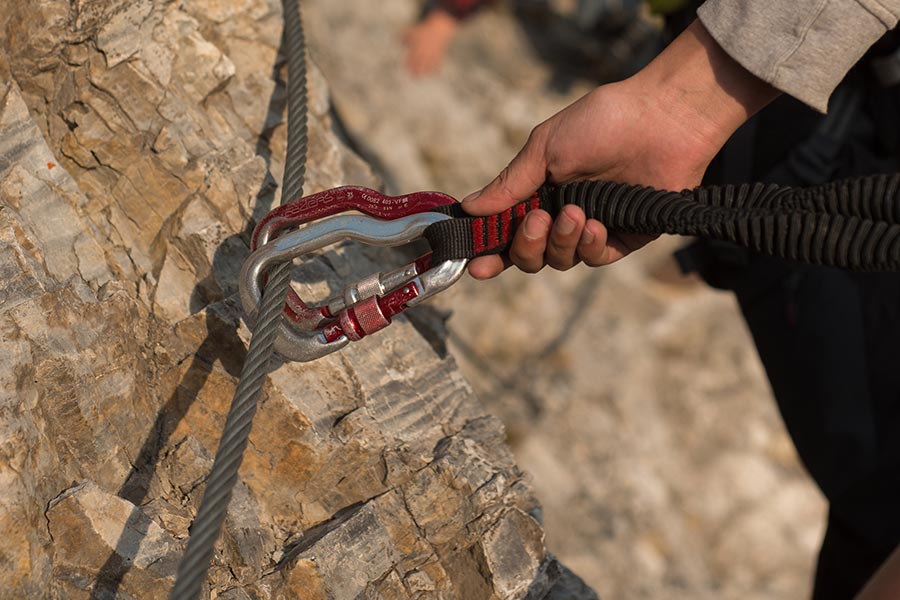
{"x": 517, "y": 182}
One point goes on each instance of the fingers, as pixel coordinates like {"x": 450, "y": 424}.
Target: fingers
{"x": 527, "y": 250}
{"x": 561, "y": 245}
{"x": 564, "y": 237}
{"x": 541, "y": 241}
{"x": 592, "y": 247}
{"x": 516, "y": 182}
{"x": 488, "y": 267}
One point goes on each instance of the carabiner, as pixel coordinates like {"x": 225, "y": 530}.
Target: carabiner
{"x": 329, "y": 203}
{"x": 362, "y": 317}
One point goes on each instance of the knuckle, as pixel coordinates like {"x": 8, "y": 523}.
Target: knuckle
{"x": 503, "y": 177}
{"x": 522, "y": 260}
{"x": 538, "y": 133}
{"x": 529, "y": 268}
{"x": 537, "y": 146}
{"x": 566, "y": 168}
{"x": 516, "y": 255}
{"x": 503, "y": 183}
{"x": 557, "y": 248}
{"x": 526, "y": 262}
{"x": 560, "y": 263}
{"x": 592, "y": 259}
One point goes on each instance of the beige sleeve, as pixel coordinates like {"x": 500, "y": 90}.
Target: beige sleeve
{"x": 802, "y": 47}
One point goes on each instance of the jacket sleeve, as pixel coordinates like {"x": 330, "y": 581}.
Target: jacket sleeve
{"x": 802, "y": 47}
{"x": 462, "y": 8}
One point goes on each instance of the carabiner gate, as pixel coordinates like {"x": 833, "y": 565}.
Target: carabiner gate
{"x": 364, "y": 308}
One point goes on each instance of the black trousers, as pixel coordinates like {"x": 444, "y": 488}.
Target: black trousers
{"x": 830, "y": 343}
{"x": 829, "y": 339}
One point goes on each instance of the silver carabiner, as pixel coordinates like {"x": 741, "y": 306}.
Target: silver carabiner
{"x": 332, "y": 202}
{"x": 361, "y": 318}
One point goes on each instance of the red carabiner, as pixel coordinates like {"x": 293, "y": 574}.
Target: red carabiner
{"x": 332, "y": 202}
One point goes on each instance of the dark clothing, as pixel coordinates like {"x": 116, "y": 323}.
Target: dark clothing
{"x": 462, "y": 8}
{"x": 828, "y": 339}
{"x": 604, "y": 40}
{"x": 589, "y": 13}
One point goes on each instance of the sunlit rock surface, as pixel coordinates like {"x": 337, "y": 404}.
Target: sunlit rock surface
{"x": 137, "y": 142}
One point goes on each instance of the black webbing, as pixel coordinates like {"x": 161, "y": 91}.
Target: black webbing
{"x": 854, "y": 224}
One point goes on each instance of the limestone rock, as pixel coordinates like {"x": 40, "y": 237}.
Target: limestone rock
{"x": 137, "y": 141}
{"x": 85, "y": 522}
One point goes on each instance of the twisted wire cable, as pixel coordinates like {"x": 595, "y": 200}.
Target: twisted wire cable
{"x": 295, "y": 157}
{"x": 208, "y": 523}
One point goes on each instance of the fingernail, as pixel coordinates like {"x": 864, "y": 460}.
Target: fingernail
{"x": 534, "y": 227}
{"x": 564, "y": 224}
{"x": 587, "y": 237}
{"x": 472, "y": 196}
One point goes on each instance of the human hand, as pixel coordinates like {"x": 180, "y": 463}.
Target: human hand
{"x": 427, "y": 42}
{"x": 661, "y": 128}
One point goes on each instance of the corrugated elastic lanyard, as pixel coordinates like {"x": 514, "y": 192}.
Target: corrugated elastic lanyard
{"x": 853, "y": 224}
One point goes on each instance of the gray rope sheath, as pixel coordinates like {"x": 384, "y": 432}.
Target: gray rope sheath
{"x": 208, "y": 523}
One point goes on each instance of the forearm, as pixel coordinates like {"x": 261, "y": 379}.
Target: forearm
{"x": 700, "y": 86}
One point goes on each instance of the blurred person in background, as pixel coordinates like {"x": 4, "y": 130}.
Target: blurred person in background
{"x": 738, "y": 96}
{"x": 598, "y": 34}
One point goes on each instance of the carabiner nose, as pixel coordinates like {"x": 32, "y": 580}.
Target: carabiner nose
{"x": 358, "y": 320}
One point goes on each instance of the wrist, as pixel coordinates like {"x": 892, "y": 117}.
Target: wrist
{"x": 700, "y": 87}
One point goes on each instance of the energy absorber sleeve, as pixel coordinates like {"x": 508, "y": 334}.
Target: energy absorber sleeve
{"x": 853, "y": 224}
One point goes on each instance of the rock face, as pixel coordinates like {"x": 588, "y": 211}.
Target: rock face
{"x": 137, "y": 141}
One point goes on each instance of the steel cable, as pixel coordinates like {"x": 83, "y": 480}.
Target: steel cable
{"x": 208, "y": 523}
